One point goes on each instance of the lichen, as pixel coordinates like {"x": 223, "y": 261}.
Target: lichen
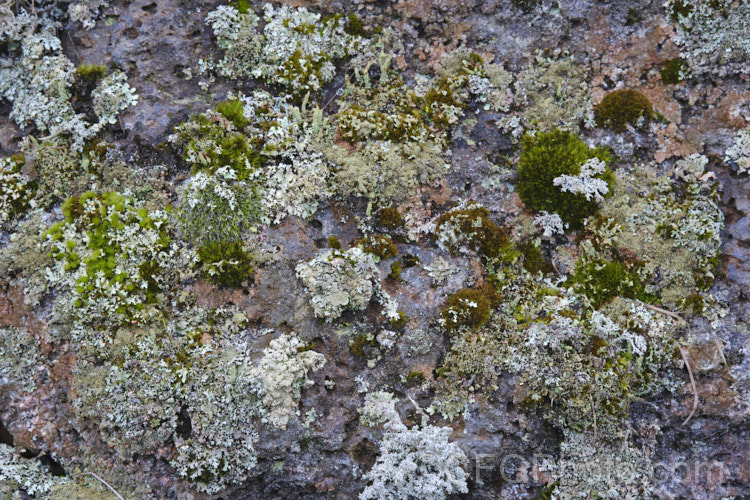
{"x": 712, "y": 35}
{"x": 339, "y": 281}
{"x": 295, "y": 48}
{"x": 468, "y": 226}
{"x": 16, "y": 190}
{"x": 417, "y": 462}
{"x": 20, "y": 358}
{"x": 738, "y": 155}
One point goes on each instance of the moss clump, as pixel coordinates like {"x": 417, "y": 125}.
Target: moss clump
{"x": 601, "y": 281}
{"x": 333, "y": 242}
{"x": 533, "y": 260}
{"x": 621, "y": 107}
{"x": 390, "y": 218}
{"x": 360, "y": 343}
{"x": 378, "y": 245}
{"x": 354, "y": 26}
{"x": 396, "y": 269}
{"x": 549, "y": 155}
{"x": 469, "y": 225}
{"x": 400, "y": 322}
{"x": 226, "y": 263}
{"x": 234, "y": 111}
{"x": 673, "y": 70}
{"x": 415, "y": 378}
{"x": 90, "y": 73}
{"x": 468, "y": 308}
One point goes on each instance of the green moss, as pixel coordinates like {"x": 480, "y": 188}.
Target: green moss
{"x": 90, "y": 73}
{"x": 396, "y": 269}
{"x": 234, "y": 111}
{"x": 360, "y": 342}
{"x": 672, "y": 71}
{"x": 602, "y": 281}
{"x": 333, "y": 242}
{"x": 549, "y": 155}
{"x": 526, "y": 5}
{"x": 210, "y": 144}
{"x": 414, "y": 379}
{"x": 400, "y": 322}
{"x": 390, "y": 218}
{"x": 378, "y": 245}
{"x": 242, "y": 6}
{"x": 354, "y": 26}
{"x": 533, "y": 260}
{"x": 469, "y": 307}
{"x": 226, "y": 263}
{"x": 621, "y": 107}
{"x": 470, "y": 226}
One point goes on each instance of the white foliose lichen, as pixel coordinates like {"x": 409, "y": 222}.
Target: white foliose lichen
{"x": 420, "y": 462}
{"x": 586, "y": 182}
{"x": 111, "y": 96}
{"x": 588, "y": 467}
{"x": 551, "y": 224}
{"x": 337, "y": 281}
{"x": 712, "y": 36}
{"x": 20, "y": 358}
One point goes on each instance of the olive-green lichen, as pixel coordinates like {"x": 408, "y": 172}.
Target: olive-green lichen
{"x": 379, "y": 245}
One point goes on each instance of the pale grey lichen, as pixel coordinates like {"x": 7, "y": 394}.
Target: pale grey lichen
{"x": 552, "y": 93}
{"x": 282, "y": 374}
{"x": 550, "y": 224}
{"x": 26, "y": 475}
{"x": 339, "y": 281}
{"x": 417, "y": 462}
{"x": 586, "y": 182}
{"x": 112, "y": 95}
{"x": 20, "y": 358}
{"x": 591, "y": 468}
{"x": 738, "y": 155}
{"x": 36, "y": 78}
{"x": 712, "y": 36}
{"x": 295, "y": 48}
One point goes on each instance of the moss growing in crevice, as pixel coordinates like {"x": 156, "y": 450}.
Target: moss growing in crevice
{"x": 602, "y": 281}
{"x": 673, "y": 71}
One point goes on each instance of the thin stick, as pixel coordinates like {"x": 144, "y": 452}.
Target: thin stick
{"x": 664, "y": 311}
{"x": 692, "y": 383}
{"x": 684, "y": 358}
{"x": 105, "y": 484}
